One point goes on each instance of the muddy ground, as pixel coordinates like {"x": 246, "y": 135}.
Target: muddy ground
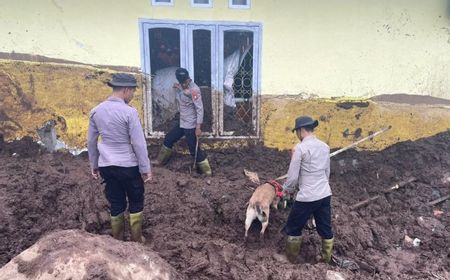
{"x": 197, "y": 224}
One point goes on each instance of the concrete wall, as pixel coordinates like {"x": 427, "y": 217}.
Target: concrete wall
{"x": 322, "y": 47}
{"x": 32, "y": 93}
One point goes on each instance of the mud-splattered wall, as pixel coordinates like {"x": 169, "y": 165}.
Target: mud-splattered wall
{"x": 323, "y": 47}
{"x": 33, "y": 92}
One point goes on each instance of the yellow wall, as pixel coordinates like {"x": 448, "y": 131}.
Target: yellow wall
{"x": 322, "y": 47}
{"x": 33, "y": 93}
{"x": 338, "y": 126}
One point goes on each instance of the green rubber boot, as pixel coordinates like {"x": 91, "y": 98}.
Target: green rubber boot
{"x": 327, "y": 249}
{"x": 136, "y": 220}
{"x": 164, "y": 155}
{"x": 117, "y": 226}
{"x": 204, "y": 167}
{"x": 293, "y": 244}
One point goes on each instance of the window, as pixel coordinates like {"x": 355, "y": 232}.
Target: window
{"x": 163, "y": 2}
{"x": 239, "y": 4}
{"x": 201, "y": 3}
{"x": 222, "y": 58}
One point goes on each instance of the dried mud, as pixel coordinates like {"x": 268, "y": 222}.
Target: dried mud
{"x": 197, "y": 224}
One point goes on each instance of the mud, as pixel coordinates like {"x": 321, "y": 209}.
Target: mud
{"x": 76, "y": 254}
{"x": 197, "y": 224}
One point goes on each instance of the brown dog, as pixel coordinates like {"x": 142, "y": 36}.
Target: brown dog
{"x": 259, "y": 207}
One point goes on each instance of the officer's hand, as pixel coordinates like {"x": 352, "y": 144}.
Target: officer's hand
{"x": 95, "y": 173}
{"x": 147, "y": 177}
{"x": 198, "y": 132}
{"x": 177, "y": 86}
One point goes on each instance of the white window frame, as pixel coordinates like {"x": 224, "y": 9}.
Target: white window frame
{"x": 217, "y": 28}
{"x": 232, "y": 6}
{"x": 155, "y": 3}
{"x": 197, "y": 5}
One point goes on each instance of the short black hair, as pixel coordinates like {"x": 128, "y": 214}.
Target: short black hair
{"x": 114, "y": 88}
{"x": 309, "y": 128}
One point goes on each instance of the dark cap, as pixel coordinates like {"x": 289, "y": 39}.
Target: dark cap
{"x": 182, "y": 75}
{"x": 305, "y": 121}
{"x": 122, "y": 80}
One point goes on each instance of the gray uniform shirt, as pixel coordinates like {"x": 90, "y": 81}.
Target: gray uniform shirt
{"x": 309, "y": 170}
{"x": 191, "y": 106}
{"x": 122, "y": 138}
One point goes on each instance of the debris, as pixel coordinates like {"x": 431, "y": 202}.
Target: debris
{"x": 409, "y": 242}
{"x": 434, "y": 202}
{"x": 437, "y": 213}
{"x": 385, "y": 191}
{"x": 253, "y": 176}
{"x": 182, "y": 182}
{"x": 280, "y": 258}
{"x": 47, "y": 134}
{"x": 334, "y": 275}
{"x": 430, "y": 223}
{"x": 347, "y": 264}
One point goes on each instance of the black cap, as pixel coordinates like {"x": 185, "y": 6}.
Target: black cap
{"x": 182, "y": 75}
{"x": 122, "y": 80}
{"x": 305, "y": 121}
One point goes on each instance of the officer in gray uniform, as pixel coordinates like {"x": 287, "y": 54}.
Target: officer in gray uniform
{"x": 309, "y": 173}
{"x": 191, "y": 118}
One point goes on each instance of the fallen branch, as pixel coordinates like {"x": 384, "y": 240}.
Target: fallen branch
{"x": 439, "y": 200}
{"x": 385, "y": 191}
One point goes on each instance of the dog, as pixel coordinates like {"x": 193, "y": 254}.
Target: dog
{"x": 263, "y": 197}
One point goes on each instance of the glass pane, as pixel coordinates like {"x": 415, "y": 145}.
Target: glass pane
{"x": 240, "y": 2}
{"x": 163, "y": 1}
{"x": 238, "y": 82}
{"x": 202, "y": 73}
{"x": 164, "y": 60}
{"x": 201, "y": 1}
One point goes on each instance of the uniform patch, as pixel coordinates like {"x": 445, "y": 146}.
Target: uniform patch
{"x": 195, "y": 95}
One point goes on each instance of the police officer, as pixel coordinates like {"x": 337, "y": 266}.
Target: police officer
{"x": 191, "y": 118}
{"x": 309, "y": 172}
{"x": 120, "y": 157}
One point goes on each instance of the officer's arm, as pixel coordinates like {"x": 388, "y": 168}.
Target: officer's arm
{"x": 92, "y": 142}
{"x": 138, "y": 142}
{"x": 294, "y": 171}
{"x": 198, "y": 103}
{"x": 327, "y": 170}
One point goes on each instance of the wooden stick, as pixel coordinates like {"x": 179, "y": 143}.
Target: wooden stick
{"x": 439, "y": 200}
{"x": 346, "y": 148}
{"x": 385, "y": 191}
{"x": 359, "y": 141}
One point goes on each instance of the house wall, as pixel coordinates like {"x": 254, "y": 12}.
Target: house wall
{"x": 323, "y": 47}
{"x": 311, "y": 51}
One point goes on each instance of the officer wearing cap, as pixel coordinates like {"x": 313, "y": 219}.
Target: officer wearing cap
{"x": 309, "y": 173}
{"x": 121, "y": 156}
{"x": 191, "y": 118}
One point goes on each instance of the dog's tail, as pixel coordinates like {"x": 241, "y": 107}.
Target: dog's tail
{"x": 261, "y": 214}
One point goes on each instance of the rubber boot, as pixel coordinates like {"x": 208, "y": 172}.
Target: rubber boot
{"x": 204, "y": 167}
{"x": 136, "y": 220}
{"x": 117, "y": 226}
{"x": 164, "y": 155}
{"x": 327, "y": 249}
{"x": 293, "y": 244}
